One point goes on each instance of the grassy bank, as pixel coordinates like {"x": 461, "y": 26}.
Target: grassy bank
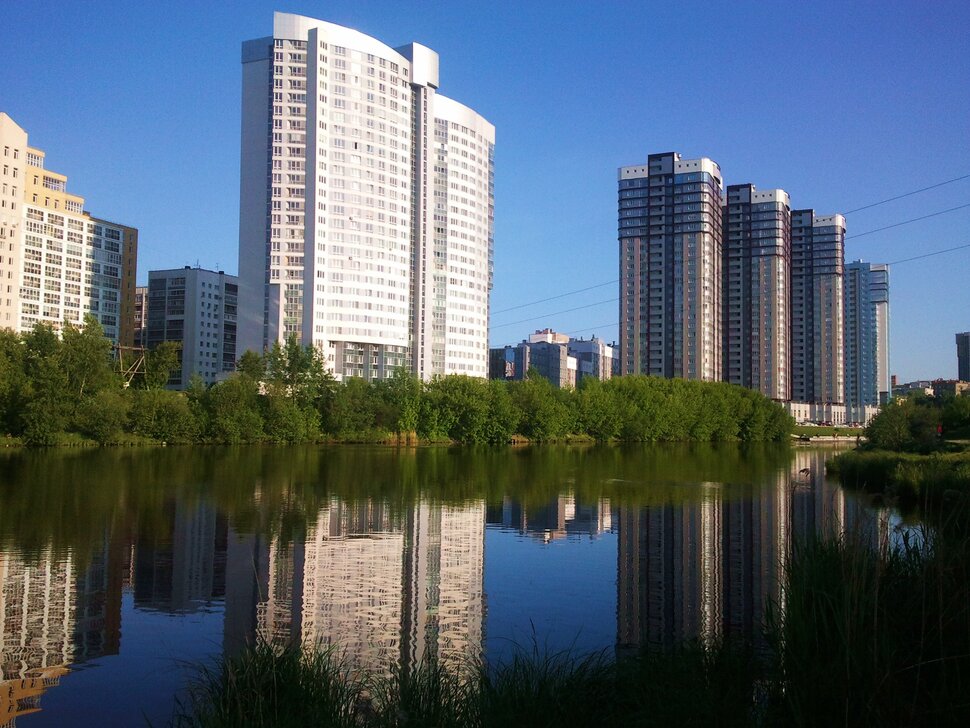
{"x": 932, "y": 479}
{"x": 865, "y": 637}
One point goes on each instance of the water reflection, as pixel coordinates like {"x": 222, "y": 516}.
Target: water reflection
{"x": 559, "y": 518}
{"x": 53, "y": 613}
{"x": 381, "y": 552}
{"x": 706, "y": 568}
{"x": 388, "y": 588}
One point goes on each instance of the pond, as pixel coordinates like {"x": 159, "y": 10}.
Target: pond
{"x": 123, "y": 570}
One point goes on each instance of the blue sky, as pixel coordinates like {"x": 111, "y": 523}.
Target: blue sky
{"x": 841, "y": 104}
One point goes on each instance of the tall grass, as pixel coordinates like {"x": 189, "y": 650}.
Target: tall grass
{"x": 270, "y": 686}
{"x": 925, "y": 480}
{"x": 867, "y": 638}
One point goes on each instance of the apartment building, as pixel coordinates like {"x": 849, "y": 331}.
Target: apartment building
{"x": 963, "y": 356}
{"x": 756, "y": 325}
{"x": 866, "y": 336}
{"x": 197, "y": 308}
{"x": 670, "y": 267}
{"x": 366, "y": 205}
{"x": 818, "y": 259}
{"x": 58, "y": 262}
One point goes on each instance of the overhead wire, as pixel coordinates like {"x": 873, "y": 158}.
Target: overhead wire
{"x": 907, "y": 194}
{"x": 907, "y": 222}
{"x": 848, "y": 237}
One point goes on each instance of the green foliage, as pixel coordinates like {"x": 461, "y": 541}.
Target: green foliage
{"x": 287, "y": 421}
{"x": 103, "y": 417}
{"x": 160, "y": 362}
{"x": 252, "y": 365}
{"x": 883, "y": 635}
{"x": 907, "y": 427}
{"x": 233, "y": 412}
{"x": 163, "y": 415}
{"x": 51, "y": 386}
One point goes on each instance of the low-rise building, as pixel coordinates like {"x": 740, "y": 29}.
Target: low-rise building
{"x": 594, "y": 358}
{"x": 196, "y": 308}
{"x": 950, "y": 388}
{"x": 820, "y": 413}
{"x": 545, "y": 351}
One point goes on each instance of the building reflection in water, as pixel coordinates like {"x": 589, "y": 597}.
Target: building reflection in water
{"x": 389, "y": 588}
{"x": 705, "y": 568}
{"x": 558, "y": 518}
{"x": 54, "y": 613}
{"x": 182, "y": 568}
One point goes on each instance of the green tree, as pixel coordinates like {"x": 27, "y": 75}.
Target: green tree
{"x": 103, "y": 417}
{"x": 400, "y": 397}
{"x": 12, "y": 380}
{"x": 252, "y": 365}
{"x": 45, "y": 402}
{"x": 351, "y": 412}
{"x": 545, "y": 415}
{"x": 160, "y": 362}
{"x": 163, "y": 415}
{"x": 85, "y": 359}
{"x": 233, "y": 411}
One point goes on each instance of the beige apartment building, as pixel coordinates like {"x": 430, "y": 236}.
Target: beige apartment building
{"x": 58, "y": 262}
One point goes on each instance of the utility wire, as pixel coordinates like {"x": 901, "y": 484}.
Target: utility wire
{"x": 614, "y": 300}
{"x": 907, "y": 222}
{"x": 848, "y": 237}
{"x": 907, "y": 194}
{"x": 553, "y": 313}
{"x": 553, "y": 298}
{"x": 929, "y": 255}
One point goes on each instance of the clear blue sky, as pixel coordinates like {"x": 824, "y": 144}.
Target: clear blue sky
{"x": 841, "y": 104}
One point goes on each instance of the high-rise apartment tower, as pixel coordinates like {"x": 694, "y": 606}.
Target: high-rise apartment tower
{"x": 963, "y": 357}
{"x": 866, "y": 337}
{"x": 366, "y": 204}
{"x": 818, "y": 254}
{"x": 756, "y": 273}
{"x": 670, "y": 267}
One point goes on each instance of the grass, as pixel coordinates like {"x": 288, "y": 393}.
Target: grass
{"x": 286, "y": 686}
{"x": 867, "y": 638}
{"x": 931, "y": 481}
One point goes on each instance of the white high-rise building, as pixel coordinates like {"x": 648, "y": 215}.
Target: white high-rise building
{"x": 366, "y": 205}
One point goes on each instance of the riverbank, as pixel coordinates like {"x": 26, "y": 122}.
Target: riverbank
{"x": 929, "y": 479}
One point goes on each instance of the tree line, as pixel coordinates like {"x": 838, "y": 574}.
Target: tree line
{"x": 920, "y": 423}
{"x": 57, "y": 388}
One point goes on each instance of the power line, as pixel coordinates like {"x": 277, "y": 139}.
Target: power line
{"x": 929, "y": 255}
{"x": 907, "y": 222}
{"x": 848, "y": 237}
{"x": 553, "y": 313}
{"x": 614, "y": 300}
{"x": 553, "y": 298}
{"x": 907, "y": 194}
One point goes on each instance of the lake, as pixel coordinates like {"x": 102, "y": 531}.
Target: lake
{"x": 124, "y": 569}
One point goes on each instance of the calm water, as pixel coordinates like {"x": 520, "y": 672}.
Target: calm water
{"x": 122, "y": 569}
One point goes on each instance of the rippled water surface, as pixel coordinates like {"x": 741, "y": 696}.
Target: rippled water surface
{"x": 123, "y": 569}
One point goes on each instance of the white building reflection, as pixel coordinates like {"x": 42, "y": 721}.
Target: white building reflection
{"x": 388, "y": 588}
{"x": 55, "y": 610}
